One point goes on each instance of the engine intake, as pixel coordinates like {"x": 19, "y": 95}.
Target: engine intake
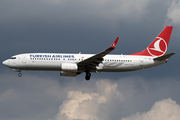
{"x": 72, "y": 67}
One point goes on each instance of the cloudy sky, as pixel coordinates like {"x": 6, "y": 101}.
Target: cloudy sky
{"x": 88, "y": 26}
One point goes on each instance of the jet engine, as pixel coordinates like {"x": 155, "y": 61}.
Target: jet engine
{"x": 71, "y": 67}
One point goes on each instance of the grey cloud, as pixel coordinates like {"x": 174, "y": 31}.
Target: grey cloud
{"x": 49, "y": 26}
{"x": 80, "y": 106}
{"x": 173, "y": 13}
{"x": 87, "y": 27}
{"x": 24, "y": 98}
{"x": 70, "y": 15}
{"x": 166, "y": 109}
{"x": 67, "y": 9}
{"x": 114, "y": 100}
{"x": 37, "y": 97}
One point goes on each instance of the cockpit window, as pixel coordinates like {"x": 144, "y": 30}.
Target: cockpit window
{"x": 13, "y": 57}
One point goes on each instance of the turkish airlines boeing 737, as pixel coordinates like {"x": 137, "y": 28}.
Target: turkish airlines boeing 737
{"x": 75, "y": 64}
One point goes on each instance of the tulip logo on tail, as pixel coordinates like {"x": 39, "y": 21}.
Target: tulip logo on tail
{"x": 158, "y": 47}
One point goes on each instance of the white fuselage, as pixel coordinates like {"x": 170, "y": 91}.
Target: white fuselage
{"x": 75, "y": 64}
{"x": 53, "y": 62}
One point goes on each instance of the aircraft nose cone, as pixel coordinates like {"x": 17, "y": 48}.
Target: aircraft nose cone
{"x": 5, "y": 63}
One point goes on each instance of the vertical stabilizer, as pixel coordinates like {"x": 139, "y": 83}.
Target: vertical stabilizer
{"x": 159, "y": 46}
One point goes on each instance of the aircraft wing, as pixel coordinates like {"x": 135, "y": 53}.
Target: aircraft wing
{"x": 92, "y": 62}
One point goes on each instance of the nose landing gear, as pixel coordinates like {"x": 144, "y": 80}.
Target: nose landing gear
{"x": 17, "y": 70}
{"x": 19, "y": 74}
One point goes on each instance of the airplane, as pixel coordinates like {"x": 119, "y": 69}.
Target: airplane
{"x": 74, "y": 64}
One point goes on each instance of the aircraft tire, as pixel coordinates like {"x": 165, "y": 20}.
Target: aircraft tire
{"x": 88, "y": 76}
{"x": 19, "y": 74}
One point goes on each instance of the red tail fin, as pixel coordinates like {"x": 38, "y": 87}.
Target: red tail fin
{"x": 159, "y": 46}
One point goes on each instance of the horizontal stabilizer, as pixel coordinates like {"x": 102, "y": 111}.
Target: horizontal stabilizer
{"x": 164, "y": 57}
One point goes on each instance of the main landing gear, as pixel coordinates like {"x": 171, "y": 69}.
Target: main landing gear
{"x": 19, "y": 74}
{"x": 88, "y": 75}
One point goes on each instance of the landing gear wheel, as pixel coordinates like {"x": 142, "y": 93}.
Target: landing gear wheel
{"x": 88, "y": 76}
{"x": 19, "y": 74}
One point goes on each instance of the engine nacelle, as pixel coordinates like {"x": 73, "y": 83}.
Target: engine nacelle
{"x": 69, "y": 74}
{"x": 72, "y": 67}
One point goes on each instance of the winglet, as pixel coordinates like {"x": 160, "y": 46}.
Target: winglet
{"x": 114, "y": 44}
